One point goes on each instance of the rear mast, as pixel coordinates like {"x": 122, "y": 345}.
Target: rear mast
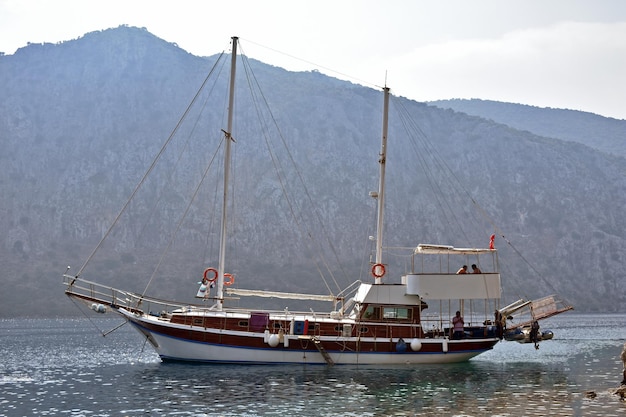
{"x": 379, "y": 269}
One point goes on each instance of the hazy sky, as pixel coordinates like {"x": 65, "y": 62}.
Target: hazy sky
{"x": 548, "y": 53}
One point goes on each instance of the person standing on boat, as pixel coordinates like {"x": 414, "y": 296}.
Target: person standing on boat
{"x": 462, "y": 270}
{"x": 534, "y": 333}
{"x": 623, "y": 358}
{"x": 457, "y": 326}
{"x": 476, "y": 270}
{"x": 499, "y": 324}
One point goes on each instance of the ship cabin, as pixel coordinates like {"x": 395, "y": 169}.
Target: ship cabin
{"x": 431, "y": 293}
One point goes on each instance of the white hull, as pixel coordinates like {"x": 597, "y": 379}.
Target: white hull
{"x": 171, "y": 348}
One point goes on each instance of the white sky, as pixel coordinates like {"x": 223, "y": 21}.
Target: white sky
{"x": 549, "y": 53}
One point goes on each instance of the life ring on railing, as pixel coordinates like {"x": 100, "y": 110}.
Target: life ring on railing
{"x": 231, "y": 279}
{"x": 375, "y": 270}
{"x": 206, "y": 272}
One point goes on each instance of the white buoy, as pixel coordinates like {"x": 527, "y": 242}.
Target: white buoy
{"x": 273, "y": 340}
{"x": 99, "y": 308}
{"x": 416, "y": 345}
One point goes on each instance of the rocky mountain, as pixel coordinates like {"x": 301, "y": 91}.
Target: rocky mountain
{"x": 81, "y": 121}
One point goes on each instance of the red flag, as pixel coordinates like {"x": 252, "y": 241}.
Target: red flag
{"x": 491, "y": 239}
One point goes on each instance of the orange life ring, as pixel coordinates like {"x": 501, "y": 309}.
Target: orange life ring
{"x": 231, "y": 279}
{"x": 375, "y": 268}
{"x": 206, "y": 271}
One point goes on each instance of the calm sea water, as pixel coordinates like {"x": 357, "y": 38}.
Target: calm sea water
{"x": 64, "y": 367}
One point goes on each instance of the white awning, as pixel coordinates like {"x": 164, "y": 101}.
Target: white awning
{"x": 449, "y": 250}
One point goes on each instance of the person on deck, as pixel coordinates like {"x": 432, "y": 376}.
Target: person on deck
{"x": 457, "y": 326}
{"x": 534, "y": 333}
{"x": 499, "y": 324}
{"x": 476, "y": 270}
{"x": 623, "y": 358}
{"x": 462, "y": 270}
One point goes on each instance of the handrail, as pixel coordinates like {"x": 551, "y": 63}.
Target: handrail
{"x": 109, "y": 296}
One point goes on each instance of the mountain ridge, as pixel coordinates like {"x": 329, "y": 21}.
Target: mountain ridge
{"x": 572, "y": 125}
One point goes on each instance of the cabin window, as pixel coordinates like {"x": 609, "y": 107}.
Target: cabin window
{"x": 243, "y": 323}
{"x": 277, "y": 325}
{"x": 397, "y": 313}
{"x": 198, "y": 322}
{"x": 372, "y": 313}
{"x": 363, "y": 329}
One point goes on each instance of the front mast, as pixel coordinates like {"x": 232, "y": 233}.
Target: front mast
{"x": 381, "y": 189}
{"x": 229, "y": 129}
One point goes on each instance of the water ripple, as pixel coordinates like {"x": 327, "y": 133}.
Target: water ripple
{"x": 64, "y": 368}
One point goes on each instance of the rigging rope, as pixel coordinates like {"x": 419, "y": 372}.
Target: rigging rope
{"x": 181, "y": 154}
{"x": 191, "y": 201}
{"x": 154, "y": 162}
{"x": 253, "y": 82}
{"x": 102, "y": 333}
{"x": 180, "y": 222}
{"x": 425, "y": 147}
{"x": 410, "y": 125}
{"x": 347, "y": 76}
